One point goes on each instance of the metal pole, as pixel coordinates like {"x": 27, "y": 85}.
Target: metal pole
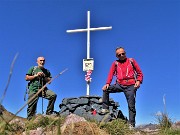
{"x": 88, "y": 45}
{"x": 91, "y": 29}
{"x": 88, "y": 34}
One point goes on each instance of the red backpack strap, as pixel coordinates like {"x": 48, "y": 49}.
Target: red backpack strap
{"x": 131, "y": 61}
{"x": 116, "y": 64}
{"x": 135, "y": 73}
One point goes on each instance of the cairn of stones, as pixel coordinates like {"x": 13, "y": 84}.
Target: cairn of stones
{"x": 90, "y": 107}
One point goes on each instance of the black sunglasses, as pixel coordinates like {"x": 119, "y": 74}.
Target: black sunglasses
{"x": 121, "y": 54}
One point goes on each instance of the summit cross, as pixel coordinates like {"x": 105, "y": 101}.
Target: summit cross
{"x": 88, "y": 29}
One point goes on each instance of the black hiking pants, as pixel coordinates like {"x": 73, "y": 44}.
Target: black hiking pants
{"x": 130, "y": 94}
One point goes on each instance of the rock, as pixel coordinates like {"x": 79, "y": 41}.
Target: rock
{"x": 18, "y": 122}
{"x": 90, "y": 107}
{"x": 38, "y": 131}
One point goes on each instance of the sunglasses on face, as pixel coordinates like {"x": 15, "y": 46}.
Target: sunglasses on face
{"x": 121, "y": 54}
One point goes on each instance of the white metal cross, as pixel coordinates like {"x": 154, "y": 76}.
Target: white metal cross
{"x": 88, "y": 29}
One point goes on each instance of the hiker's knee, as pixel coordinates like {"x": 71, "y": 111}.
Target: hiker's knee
{"x": 54, "y": 96}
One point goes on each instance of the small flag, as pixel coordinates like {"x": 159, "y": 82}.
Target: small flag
{"x": 88, "y": 76}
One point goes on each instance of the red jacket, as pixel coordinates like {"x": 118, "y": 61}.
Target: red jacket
{"x": 125, "y": 72}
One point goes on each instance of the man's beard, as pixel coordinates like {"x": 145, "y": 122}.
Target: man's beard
{"x": 41, "y": 66}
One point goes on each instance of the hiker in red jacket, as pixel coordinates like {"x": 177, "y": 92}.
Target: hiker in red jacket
{"x": 128, "y": 79}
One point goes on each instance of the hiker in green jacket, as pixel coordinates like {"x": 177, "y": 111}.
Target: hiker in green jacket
{"x": 38, "y": 76}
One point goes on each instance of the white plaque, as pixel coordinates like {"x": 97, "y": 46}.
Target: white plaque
{"x": 88, "y": 64}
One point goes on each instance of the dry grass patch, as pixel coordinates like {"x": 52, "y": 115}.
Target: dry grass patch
{"x": 83, "y": 128}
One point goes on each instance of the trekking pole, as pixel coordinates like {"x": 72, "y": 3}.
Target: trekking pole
{"x": 42, "y": 97}
{"x": 41, "y": 82}
{"x": 37, "y": 93}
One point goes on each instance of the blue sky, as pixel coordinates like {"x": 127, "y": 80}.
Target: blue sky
{"x": 149, "y": 30}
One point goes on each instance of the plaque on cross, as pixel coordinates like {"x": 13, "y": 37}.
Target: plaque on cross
{"x": 88, "y": 29}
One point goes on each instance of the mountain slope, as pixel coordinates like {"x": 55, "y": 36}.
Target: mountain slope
{"x": 8, "y": 115}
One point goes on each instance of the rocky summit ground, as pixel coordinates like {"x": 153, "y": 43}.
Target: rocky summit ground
{"x": 71, "y": 125}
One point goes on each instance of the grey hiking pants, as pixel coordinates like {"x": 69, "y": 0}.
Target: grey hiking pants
{"x": 130, "y": 94}
{"x": 32, "y": 106}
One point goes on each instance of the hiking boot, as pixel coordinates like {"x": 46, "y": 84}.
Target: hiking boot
{"x": 104, "y": 111}
{"x": 131, "y": 127}
{"x": 54, "y": 113}
{"x": 100, "y": 100}
{"x": 48, "y": 113}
